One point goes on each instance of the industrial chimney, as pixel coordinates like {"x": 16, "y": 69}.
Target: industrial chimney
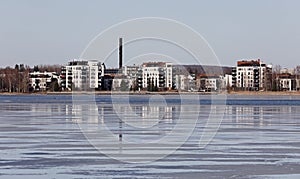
{"x": 120, "y": 53}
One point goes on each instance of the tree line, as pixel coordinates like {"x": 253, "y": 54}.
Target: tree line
{"x": 16, "y": 79}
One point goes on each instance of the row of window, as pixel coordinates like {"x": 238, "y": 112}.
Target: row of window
{"x": 37, "y": 84}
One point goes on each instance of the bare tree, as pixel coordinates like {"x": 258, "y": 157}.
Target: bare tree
{"x": 275, "y": 73}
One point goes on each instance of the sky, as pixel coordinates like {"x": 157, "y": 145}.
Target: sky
{"x": 36, "y": 32}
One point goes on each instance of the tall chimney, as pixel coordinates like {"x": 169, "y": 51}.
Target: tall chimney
{"x": 120, "y": 53}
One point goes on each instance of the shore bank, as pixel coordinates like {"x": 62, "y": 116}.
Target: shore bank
{"x": 245, "y": 93}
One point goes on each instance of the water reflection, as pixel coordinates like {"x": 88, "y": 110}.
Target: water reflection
{"x": 127, "y": 121}
{"x": 261, "y": 115}
{"x": 40, "y": 137}
{"x": 166, "y": 114}
{"x": 156, "y": 115}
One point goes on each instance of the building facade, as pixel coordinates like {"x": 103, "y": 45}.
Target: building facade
{"x": 41, "y": 81}
{"x": 156, "y": 74}
{"x": 252, "y": 75}
{"x": 207, "y": 83}
{"x": 82, "y": 75}
{"x": 287, "y": 82}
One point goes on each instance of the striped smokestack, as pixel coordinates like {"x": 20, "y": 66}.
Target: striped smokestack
{"x": 120, "y": 53}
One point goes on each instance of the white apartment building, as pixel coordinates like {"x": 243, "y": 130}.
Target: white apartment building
{"x": 158, "y": 74}
{"x": 251, "y": 75}
{"x": 82, "y": 74}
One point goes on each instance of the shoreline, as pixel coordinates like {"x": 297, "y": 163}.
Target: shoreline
{"x": 246, "y": 93}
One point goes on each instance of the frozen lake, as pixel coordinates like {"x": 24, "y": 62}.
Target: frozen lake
{"x": 53, "y": 137}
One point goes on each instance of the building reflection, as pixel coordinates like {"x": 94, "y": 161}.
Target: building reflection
{"x": 107, "y": 113}
{"x": 127, "y": 120}
{"x": 244, "y": 116}
{"x": 162, "y": 118}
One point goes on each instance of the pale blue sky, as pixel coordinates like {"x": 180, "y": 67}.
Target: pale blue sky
{"x": 52, "y": 32}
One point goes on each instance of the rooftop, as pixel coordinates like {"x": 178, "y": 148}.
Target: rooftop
{"x": 154, "y": 64}
{"x": 249, "y": 62}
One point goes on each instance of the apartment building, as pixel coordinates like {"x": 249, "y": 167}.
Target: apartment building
{"x": 82, "y": 75}
{"x": 158, "y": 74}
{"x": 252, "y": 75}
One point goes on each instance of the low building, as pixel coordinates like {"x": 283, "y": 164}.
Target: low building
{"x": 107, "y": 83}
{"x": 287, "y": 82}
{"x": 41, "y": 81}
{"x": 122, "y": 83}
{"x": 130, "y": 71}
{"x": 207, "y": 82}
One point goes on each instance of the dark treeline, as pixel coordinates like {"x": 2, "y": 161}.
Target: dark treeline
{"x": 48, "y": 68}
{"x": 14, "y": 79}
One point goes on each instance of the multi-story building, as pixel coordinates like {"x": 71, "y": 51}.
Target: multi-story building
{"x": 206, "y": 82}
{"x": 157, "y": 74}
{"x": 40, "y": 81}
{"x": 287, "y": 82}
{"x": 252, "y": 75}
{"x": 82, "y": 75}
